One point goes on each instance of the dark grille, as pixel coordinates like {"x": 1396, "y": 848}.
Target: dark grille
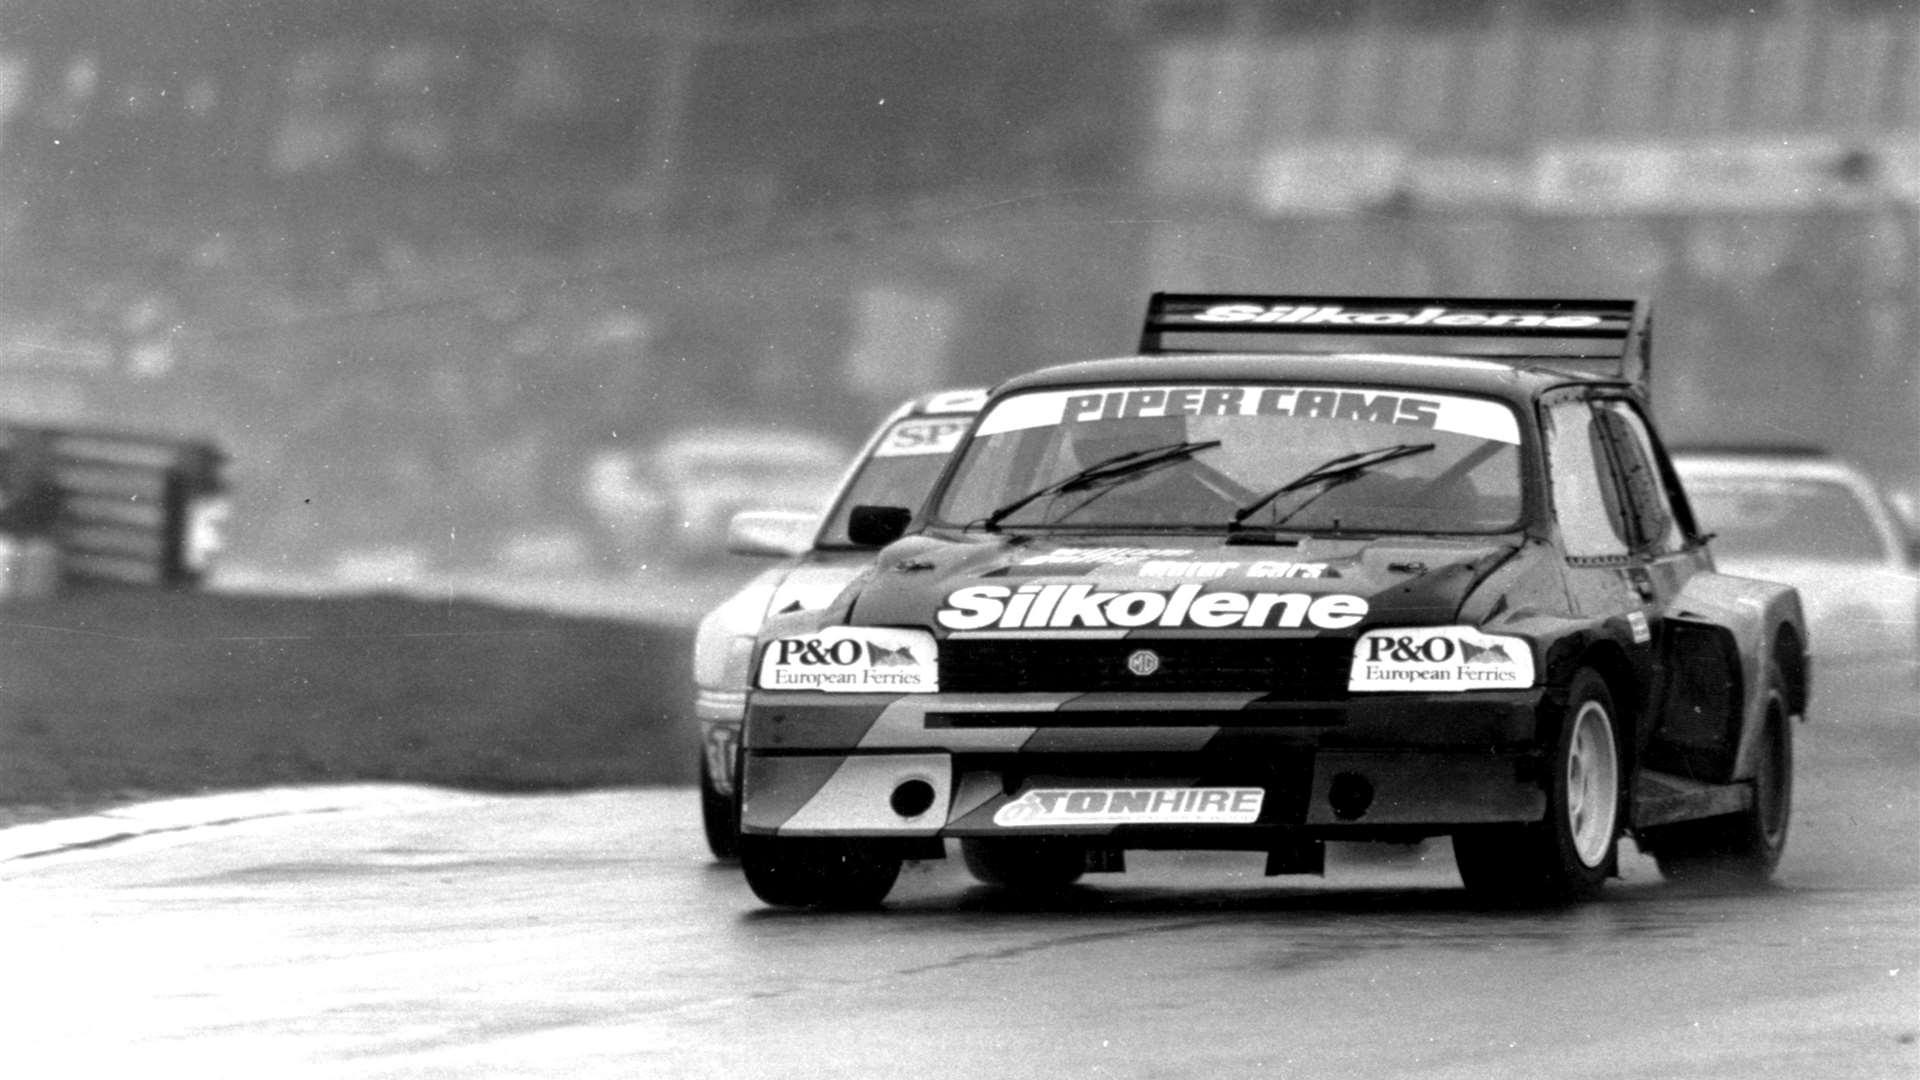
{"x": 1298, "y": 668}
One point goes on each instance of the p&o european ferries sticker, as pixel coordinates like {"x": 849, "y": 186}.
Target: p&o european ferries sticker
{"x": 852, "y": 660}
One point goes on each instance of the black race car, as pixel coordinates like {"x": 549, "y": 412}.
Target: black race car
{"x": 1428, "y": 571}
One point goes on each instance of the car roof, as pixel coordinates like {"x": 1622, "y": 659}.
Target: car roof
{"x": 1789, "y": 462}
{"x": 1517, "y": 379}
{"x": 958, "y": 401}
{"x": 748, "y": 442}
{"x": 1741, "y": 450}
{"x": 1763, "y": 460}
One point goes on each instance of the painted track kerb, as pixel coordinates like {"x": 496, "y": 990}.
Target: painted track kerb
{"x": 138, "y": 820}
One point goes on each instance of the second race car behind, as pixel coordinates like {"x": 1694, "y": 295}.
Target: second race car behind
{"x": 897, "y": 465}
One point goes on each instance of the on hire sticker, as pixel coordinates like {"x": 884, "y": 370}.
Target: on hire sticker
{"x": 852, "y": 660}
{"x": 1049, "y": 807}
{"x": 1439, "y": 658}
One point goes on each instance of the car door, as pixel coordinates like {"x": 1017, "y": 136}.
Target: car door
{"x": 1628, "y": 549}
{"x": 1665, "y": 547}
{"x": 1606, "y": 577}
{"x": 1695, "y": 694}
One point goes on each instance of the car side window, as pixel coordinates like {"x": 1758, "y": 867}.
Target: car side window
{"x": 1655, "y": 526}
{"x": 1586, "y": 500}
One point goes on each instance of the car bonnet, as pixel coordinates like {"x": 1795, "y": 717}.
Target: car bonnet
{"x": 1173, "y": 583}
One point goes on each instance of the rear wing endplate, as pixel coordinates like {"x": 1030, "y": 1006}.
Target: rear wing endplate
{"x": 1607, "y": 337}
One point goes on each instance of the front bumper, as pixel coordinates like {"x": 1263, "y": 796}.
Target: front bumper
{"x": 951, "y": 766}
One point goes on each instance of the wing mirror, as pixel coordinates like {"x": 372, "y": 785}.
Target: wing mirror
{"x": 777, "y": 533}
{"x": 877, "y": 526}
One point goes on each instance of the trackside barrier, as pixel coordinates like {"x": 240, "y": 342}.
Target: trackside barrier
{"x": 116, "y": 506}
{"x": 29, "y": 567}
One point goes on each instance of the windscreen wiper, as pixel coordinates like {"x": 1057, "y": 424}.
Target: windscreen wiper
{"x": 1332, "y": 472}
{"x": 1109, "y": 470}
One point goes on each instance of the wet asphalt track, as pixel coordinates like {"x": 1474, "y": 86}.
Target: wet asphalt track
{"x": 374, "y": 932}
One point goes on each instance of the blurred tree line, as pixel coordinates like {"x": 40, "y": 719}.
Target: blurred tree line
{"x": 417, "y": 263}
{"x": 413, "y": 261}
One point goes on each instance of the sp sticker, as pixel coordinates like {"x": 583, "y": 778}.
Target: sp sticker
{"x": 923, "y": 436}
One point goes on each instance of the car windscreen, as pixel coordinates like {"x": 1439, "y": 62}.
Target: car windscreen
{"x": 1215, "y": 456}
{"x": 905, "y": 461}
{"x": 1774, "y": 518}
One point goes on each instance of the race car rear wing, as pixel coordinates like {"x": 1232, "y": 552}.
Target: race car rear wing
{"x": 1607, "y": 337}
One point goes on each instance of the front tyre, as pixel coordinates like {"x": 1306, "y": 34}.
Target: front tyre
{"x": 1025, "y": 864}
{"x": 719, "y": 814}
{"x": 1569, "y": 855}
{"x": 829, "y": 873}
{"x": 1740, "y": 849}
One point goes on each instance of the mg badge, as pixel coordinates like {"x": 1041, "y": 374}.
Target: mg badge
{"x": 1143, "y": 662}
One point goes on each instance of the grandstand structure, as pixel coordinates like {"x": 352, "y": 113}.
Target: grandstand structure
{"x": 434, "y": 254}
{"x": 1753, "y": 167}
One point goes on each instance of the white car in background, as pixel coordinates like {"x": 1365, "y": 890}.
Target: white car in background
{"x": 896, "y": 467}
{"x": 672, "y": 502}
{"x": 1817, "y": 522}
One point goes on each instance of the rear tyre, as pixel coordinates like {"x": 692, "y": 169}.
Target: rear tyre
{"x": 1027, "y": 864}
{"x": 1570, "y": 854}
{"x": 1740, "y": 849}
{"x": 719, "y": 815}
{"x": 826, "y": 873}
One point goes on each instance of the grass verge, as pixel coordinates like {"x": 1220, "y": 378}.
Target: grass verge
{"x": 112, "y": 694}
